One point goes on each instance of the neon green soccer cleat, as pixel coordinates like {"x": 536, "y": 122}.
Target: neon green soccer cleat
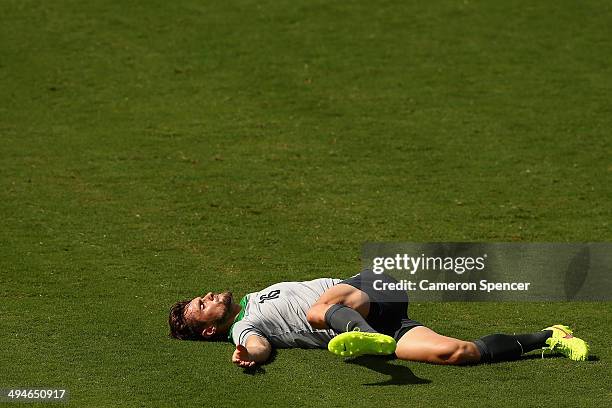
{"x": 564, "y": 342}
{"x": 356, "y": 343}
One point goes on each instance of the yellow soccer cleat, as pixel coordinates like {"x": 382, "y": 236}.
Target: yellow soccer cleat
{"x": 356, "y": 343}
{"x": 564, "y": 342}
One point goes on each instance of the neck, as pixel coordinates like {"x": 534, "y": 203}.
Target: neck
{"x": 235, "y": 309}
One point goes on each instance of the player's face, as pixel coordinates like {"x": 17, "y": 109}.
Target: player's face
{"x": 210, "y": 309}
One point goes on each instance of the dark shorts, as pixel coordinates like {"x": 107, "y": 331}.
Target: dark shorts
{"x": 388, "y": 309}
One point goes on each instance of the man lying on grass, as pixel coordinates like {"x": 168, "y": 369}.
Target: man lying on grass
{"x": 350, "y": 318}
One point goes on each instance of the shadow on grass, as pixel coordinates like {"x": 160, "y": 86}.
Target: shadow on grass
{"x": 537, "y": 356}
{"x": 260, "y": 368}
{"x": 549, "y": 356}
{"x": 400, "y": 375}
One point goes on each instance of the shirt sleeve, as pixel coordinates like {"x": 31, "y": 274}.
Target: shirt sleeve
{"x": 243, "y": 330}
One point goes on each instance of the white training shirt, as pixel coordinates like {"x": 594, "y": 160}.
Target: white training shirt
{"x": 278, "y": 313}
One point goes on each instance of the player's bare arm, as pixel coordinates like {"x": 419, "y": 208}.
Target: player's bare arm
{"x": 256, "y": 351}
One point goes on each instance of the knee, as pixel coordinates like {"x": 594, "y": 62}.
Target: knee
{"x": 316, "y": 316}
{"x": 456, "y": 353}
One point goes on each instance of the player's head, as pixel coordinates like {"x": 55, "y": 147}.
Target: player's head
{"x": 201, "y": 318}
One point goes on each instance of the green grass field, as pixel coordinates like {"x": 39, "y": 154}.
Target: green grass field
{"x": 152, "y": 150}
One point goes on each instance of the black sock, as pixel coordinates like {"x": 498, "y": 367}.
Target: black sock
{"x": 342, "y": 319}
{"x": 532, "y": 341}
{"x": 505, "y": 347}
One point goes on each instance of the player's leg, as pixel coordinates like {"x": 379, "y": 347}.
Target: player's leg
{"x": 345, "y": 304}
{"x": 345, "y": 308}
{"x": 424, "y": 345}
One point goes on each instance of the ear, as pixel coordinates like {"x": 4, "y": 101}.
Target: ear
{"x": 209, "y": 331}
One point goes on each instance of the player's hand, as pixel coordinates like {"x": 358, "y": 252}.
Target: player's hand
{"x": 241, "y": 357}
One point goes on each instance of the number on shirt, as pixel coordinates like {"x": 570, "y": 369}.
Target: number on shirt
{"x": 269, "y": 296}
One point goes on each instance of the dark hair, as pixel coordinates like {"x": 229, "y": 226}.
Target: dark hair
{"x": 179, "y": 328}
